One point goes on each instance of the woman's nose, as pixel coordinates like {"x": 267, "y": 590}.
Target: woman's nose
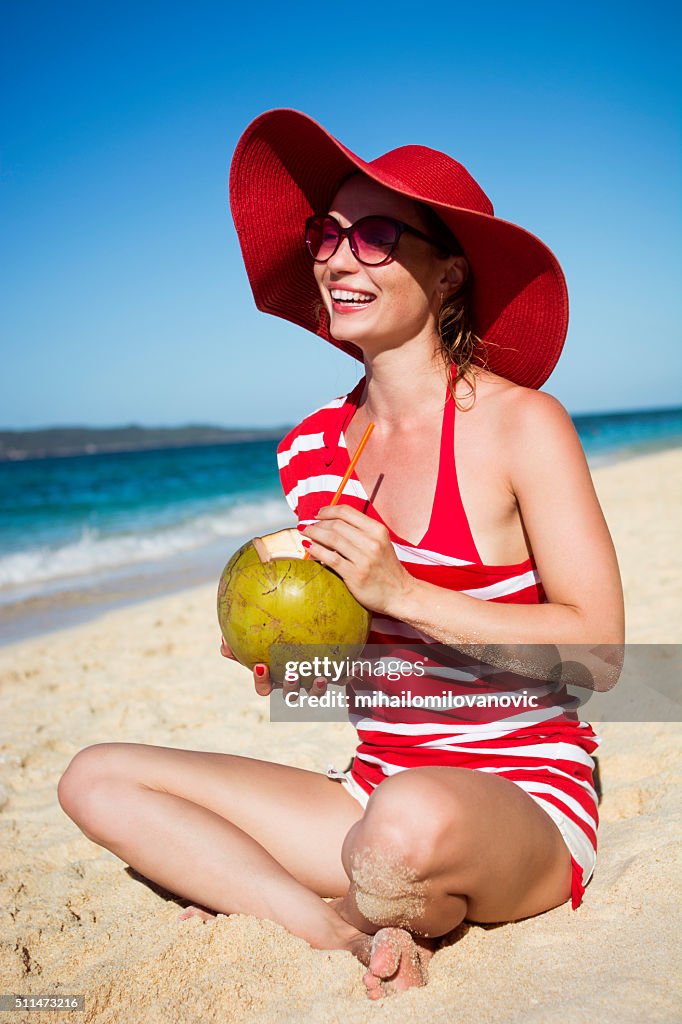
{"x": 343, "y": 258}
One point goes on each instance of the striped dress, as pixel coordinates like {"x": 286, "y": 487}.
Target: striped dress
{"x": 545, "y": 752}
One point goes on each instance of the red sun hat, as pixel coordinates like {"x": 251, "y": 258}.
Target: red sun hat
{"x": 287, "y": 167}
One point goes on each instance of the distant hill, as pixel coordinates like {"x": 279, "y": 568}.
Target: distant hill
{"x": 65, "y": 441}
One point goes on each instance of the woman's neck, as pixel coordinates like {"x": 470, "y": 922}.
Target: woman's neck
{"x": 403, "y": 387}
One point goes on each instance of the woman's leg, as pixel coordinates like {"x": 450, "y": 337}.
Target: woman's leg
{"x": 232, "y": 833}
{"x": 437, "y": 845}
{"x": 239, "y": 835}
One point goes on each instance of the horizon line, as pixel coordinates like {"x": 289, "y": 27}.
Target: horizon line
{"x": 287, "y": 426}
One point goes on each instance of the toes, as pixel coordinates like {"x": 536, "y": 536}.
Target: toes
{"x": 195, "y": 912}
{"x": 374, "y": 986}
{"x": 395, "y": 964}
{"x": 386, "y": 952}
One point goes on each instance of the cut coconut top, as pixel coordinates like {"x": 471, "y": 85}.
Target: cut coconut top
{"x": 283, "y": 544}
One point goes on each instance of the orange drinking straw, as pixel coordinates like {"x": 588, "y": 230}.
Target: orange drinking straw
{"x": 347, "y": 474}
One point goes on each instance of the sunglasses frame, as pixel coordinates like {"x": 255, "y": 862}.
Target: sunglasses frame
{"x": 400, "y": 226}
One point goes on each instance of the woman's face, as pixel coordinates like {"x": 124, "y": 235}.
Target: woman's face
{"x": 405, "y": 292}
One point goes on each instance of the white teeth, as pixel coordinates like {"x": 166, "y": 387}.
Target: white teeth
{"x": 340, "y": 295}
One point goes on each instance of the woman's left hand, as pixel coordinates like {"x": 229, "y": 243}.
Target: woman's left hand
{"x": 359, "y": 549}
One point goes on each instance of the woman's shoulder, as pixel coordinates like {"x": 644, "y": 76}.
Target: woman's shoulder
{"x": 312, "y": 425}
{"x": 517, "y": 428}
{"x": 530, "y": 435}
{"x": 519, "y": 410}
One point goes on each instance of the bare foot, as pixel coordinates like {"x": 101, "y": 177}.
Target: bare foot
{"x": 397, "y": 961}
{"x": 188, "y": 912}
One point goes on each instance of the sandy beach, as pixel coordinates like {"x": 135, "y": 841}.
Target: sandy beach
{"x": 75, "y": 920}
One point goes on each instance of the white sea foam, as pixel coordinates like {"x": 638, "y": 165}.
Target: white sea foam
{"x": 96, "y": 552}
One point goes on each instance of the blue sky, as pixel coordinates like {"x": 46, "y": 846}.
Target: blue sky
{"x": 122, "y": 294}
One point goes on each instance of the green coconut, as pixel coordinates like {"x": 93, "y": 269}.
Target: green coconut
{"x": 268, "y": 594}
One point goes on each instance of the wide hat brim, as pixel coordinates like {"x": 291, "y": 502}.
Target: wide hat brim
{"x": 286, "y": 167}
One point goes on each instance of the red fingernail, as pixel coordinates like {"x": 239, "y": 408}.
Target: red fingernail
{"x": 306, "y": 543}
{"x": 259, "y": 670}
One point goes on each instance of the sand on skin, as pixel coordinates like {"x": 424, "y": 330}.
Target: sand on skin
{"x": 76, "y": 920}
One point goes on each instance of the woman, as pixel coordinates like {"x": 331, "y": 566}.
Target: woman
{"x": 457, "y": 317}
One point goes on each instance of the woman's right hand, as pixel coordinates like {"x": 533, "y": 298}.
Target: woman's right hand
{"x": 261, "y": 676}
{"x": 261, "y": 673}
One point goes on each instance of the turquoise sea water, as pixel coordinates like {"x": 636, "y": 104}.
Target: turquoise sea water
{"x": 66, "y": 518}
{"x": 80, "y": 522}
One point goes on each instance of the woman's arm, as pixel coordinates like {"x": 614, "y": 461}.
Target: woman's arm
{"x": 573, "y": 552}
{"x": 570, "y": 541}
{"x": 568, "y": 536}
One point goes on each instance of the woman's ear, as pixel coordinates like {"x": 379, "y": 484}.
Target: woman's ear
{"x": 456, "y": 273}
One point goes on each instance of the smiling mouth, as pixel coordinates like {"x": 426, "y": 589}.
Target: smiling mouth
{"x": 342, "y": 299}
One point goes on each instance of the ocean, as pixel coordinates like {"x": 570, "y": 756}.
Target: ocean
{"x": 85, "y": 533}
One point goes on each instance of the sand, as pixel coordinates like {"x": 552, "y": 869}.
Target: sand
{"x": 75, "y": 920}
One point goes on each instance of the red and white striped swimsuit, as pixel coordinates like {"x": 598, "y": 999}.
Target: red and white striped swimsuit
{"x": 549, "y": 758}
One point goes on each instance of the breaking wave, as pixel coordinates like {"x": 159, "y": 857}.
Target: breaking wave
{"x": 97, "y": 551}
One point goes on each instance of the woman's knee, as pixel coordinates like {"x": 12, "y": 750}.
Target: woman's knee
{"x": 410, "y": 816}
{"x": 79, "y": 789}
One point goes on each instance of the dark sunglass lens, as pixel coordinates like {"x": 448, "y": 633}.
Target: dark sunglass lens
{"x": 376, "y": 238}
{"x": 322, "y": 235}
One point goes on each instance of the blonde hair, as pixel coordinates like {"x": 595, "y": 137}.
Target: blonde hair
{"x": 459, "y": 342}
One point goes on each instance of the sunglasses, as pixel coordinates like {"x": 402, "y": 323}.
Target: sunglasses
{"x": 372, "y": 240}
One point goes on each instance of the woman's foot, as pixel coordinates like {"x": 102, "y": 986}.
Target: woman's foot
{"x": 192, "y": 911}
{"x": 397, "y": 961}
